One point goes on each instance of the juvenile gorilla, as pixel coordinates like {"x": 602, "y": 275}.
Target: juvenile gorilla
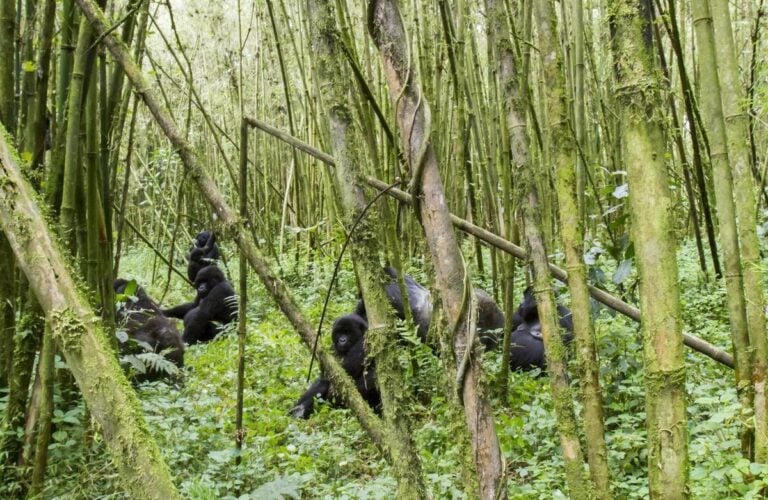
{"x": 348, "y": 334}
{"x": 145, "y": 323}
{"x": 215, "y": 301}
{"x": 526, "y": 341}
{"x": 202, "y": 253}
{"x": 490, "y": 319}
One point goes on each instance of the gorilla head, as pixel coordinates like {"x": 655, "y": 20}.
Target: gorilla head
{"x": 347, "y": 331}
{"x": 207, "y": 279}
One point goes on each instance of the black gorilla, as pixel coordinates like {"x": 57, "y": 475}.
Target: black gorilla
{"x": 145, "y": 323}
{"x": 202, "y": 253}
{"x": 490, "y": 319}
{"x": 526, "y": 342}
{"x": 215, "y": 301}
{"x": 348, "y": 334}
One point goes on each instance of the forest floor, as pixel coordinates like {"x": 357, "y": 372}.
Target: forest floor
{"x": 330, "y": 456}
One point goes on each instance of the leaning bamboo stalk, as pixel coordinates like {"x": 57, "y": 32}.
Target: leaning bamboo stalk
{"x": 82, "y": 341}
{"x": 697, "y": 344}
{"x": 381, "y": 337}
{"x": 230, "y": 223}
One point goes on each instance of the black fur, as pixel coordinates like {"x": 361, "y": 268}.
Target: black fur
{"x": 348, "y": 334}
{"x": 202, "y": 253}
{"x": 144, "y": 322}
{"x": 526, "y": 342}
{"x": 349, "y": 340}
{"x": 214, "y": 302}
{"x": 490, "y": 319}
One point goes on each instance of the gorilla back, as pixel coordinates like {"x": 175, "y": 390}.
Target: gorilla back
{"x": 490, "y": 319}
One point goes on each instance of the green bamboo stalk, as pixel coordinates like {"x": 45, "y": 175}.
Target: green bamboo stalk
{"x": 7, "y": 291}
{"x": 381, "y": 337}
{"x": 93, "y": 199}
{"x": 562, "y": 399}
{"x": 28, "y": 68}
{"x": 712, "y": 113}
{"x": 55, "y": 174}
{"x": 242, "y": 332}
{"x": 651, "y": 207}
{"x": 562, "y": 150}
{"x": 736, "y": 125}
{"x": 75, "y": 102}
{"x": 44, "y": 426}
{"x": 37, "y": 103}
{"x": 24, "y": 350}
{"x": 698, "y": 144}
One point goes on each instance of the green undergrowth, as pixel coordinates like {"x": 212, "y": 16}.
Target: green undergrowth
{"x": 330, "y": 456}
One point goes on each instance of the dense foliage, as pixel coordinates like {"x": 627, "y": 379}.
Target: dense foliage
{"x": 330, "y": 456}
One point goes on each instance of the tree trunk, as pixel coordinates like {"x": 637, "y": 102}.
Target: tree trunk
{"x": 381, "y": 337}
{"x": 110, "y": 398}
{"x": 230, "y": 223}
{"x": 736, "y": 120}
{"x": 453, "y": 279}
{"x": 712, "y": 114}
{"x": 560, "y": 148}
{"x": 652, "y": 208}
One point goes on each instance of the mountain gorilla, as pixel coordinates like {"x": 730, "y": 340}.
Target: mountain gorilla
{"x": 490, "y": 319}
{"x": 145, "y": 323}
{"x": 526, "y": 342}
{"x": 348, "y": 334}
{"x": 202, "y": 253}
{"x": 215, "y": 301}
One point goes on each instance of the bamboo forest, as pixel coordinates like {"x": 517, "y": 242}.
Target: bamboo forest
{"x": 412, "y": 249}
